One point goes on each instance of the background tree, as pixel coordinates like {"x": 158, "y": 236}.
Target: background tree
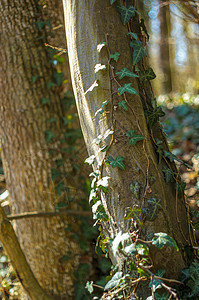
{"x": 37, "y": 139}
{"x": 119, "y": 119}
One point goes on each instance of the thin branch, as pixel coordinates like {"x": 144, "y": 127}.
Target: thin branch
{"x": 36, "y": 214}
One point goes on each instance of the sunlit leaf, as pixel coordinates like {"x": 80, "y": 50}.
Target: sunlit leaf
{"x": 120, "y": 238}
{"x": 90, "y": 160}
{"x": 115, "y": 280}
{"x": 99, "y": 67}
{"x": 160, "y": 239}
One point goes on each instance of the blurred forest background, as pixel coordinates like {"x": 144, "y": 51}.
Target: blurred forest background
{"x": 173, "y": 54}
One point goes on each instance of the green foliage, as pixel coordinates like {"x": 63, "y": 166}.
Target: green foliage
{"x": 151, "y": 211}
{"x": 115, "y": 281}
{"x": 112, "y": 1}
{"x": 34, "y": 78}
{"x": 126, "y": 73}
{"x": 45, "y": 100}
{"x": 154, "y": 284}
{"x": 41, "y": 24}
{"x": 173, "y": 157}
{"x": 49, "y": 136}
{"x": 133, "y": 213}
{"x": 135, "y": 189}
{"x": 99, "y": 67}
{"x": 119, "y": 239}
{"x": 89, "y": 286}
{"x": 134, "y": 138}
{"x": 115, "y": 56}
{"x": 168, "y": 174}
{"x": 154, "y": 115}
{"x": 126, "y": 13}
{"x": 100, "y": 46}
{"x": 58, "y": 76}
{"x": 123, "y": 105}
{"x": 103, "y": 183}
{"x": 138, "y": 51}
{"x": 127, "y": 88}
{"x": 181, "y": 188}
{"x": 50, "y": 84}
{"x": 134, "y": 35}
{"x": 148, "y": 75}
{"x": 191, "y": 277}
{"x": 160, "y": 239}
{"x": 118, "y": 162}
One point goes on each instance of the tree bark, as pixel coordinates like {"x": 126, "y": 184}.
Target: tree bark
{"x": 164, "y": 18}
{"x": 26, "y": 80}
{"x": 87, "y": 23}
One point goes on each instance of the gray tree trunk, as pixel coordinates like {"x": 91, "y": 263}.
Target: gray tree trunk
{"x": 87, "y": 23}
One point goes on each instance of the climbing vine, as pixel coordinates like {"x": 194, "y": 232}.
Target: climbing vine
{"x": 123, "y": 282}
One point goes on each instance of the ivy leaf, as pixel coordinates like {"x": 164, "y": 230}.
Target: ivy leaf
{"x": 148, "y": 74}
{"x": 107, "y": 133}
{"x": 133, "y": 213}
{"x": 50, "y": 84}
{"x": 112, "y": 1}
{"x": 126, "y": 13}
{"x": 135, "y": 189}
{"x": 134, "y": 138}
{"x": 58, "y": 76}
{"x": 138, "y": 51}
{"x": 154, "y": 283}
{"x": 126, "y": 73}
{"x": 164, "y": 296}
{"x": 90, "y": 160}
{"x": 103, "y": 183}
{"x": 134, "y": 35}
{"x": 100, "y": 46}
{"x": 99, "y": 67}
{"x": 127, "y": 88}
{"x": 49, "y": 136}
{"x": 168, "y": 174}
{"x": 142, "y": 249}
{"x": 89, "y": 286}
{"x": 40, "y": 24}
{"x": 115, "y": 281}
{"x": 153, "y": 116}
{"x": 115, "y": 56}
{"x": 123, "y": 105}
{"x": 118, "y": 162}
{"x": 98, "y": 140}
{"x": 45, "y": 100}
{"x": 162, "y": 239}
{"x": 91, "y": 88}
{"x": 131, "y": 249}
{"x": 120, "y": 238}
{"x": 154, "y": 205}
{"x": 34, "y": 78}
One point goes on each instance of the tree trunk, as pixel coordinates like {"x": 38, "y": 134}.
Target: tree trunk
{"x": 89, "y": 23}
{"x": 164, "y": 18}
{"x": 34, "y": 145}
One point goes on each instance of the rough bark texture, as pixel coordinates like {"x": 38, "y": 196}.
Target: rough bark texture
{"x": 25, "y": 122}
{"x": 19, "y": 262}
{"x": 87, "y": 22}
{"x": 164, "y": 18}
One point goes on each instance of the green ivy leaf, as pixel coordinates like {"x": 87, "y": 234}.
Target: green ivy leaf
{"x": 45, "y": 100}
{"x": 153, "y": 116}
{"x": 103, "y": 183}
{"x": 131, "y": 249}
{"x": 34, "y": 78}
{"x": 126, "y": 73}
{"x": 127, "y": 88}
{"x": 55, "y": 174}
{"x": 118, "y": 162}
{"x": 115, "y": 281}
{"x": 126, "y": 13}
{"x": 173, "y": 157}
{"x": 123, "y": 105}
{"x": 142, "y": 249}
{"x": 40, "y": 24}
{"x": 115, "y": 56}
{"x": 154, "y": 283}
{"x": 168, "y": 174}
{"x": 120, "y": 238}
{"x": 89, "y": 286}
{"x": 154, "y": 205}
{"x": 49, "y": 136}
{"x": 162, "y": 239}
{"x": 90, "y": 160}
{"x": 112, "y": 1}
{"x": 148, "y": 75}
{"x": 138, "y": 51}
{"x": 133, "y": 213}
{"x": 99, "y": 67}
{"x": 100, "y": 46}
{"x": 134, "y": 35}
{"x": 60, "y": 187}
{"x": 135, "y": 189}
{"x": 134, "y": 138}
{"x": 50, "y": 84}
{"x": 58, "y": 76}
